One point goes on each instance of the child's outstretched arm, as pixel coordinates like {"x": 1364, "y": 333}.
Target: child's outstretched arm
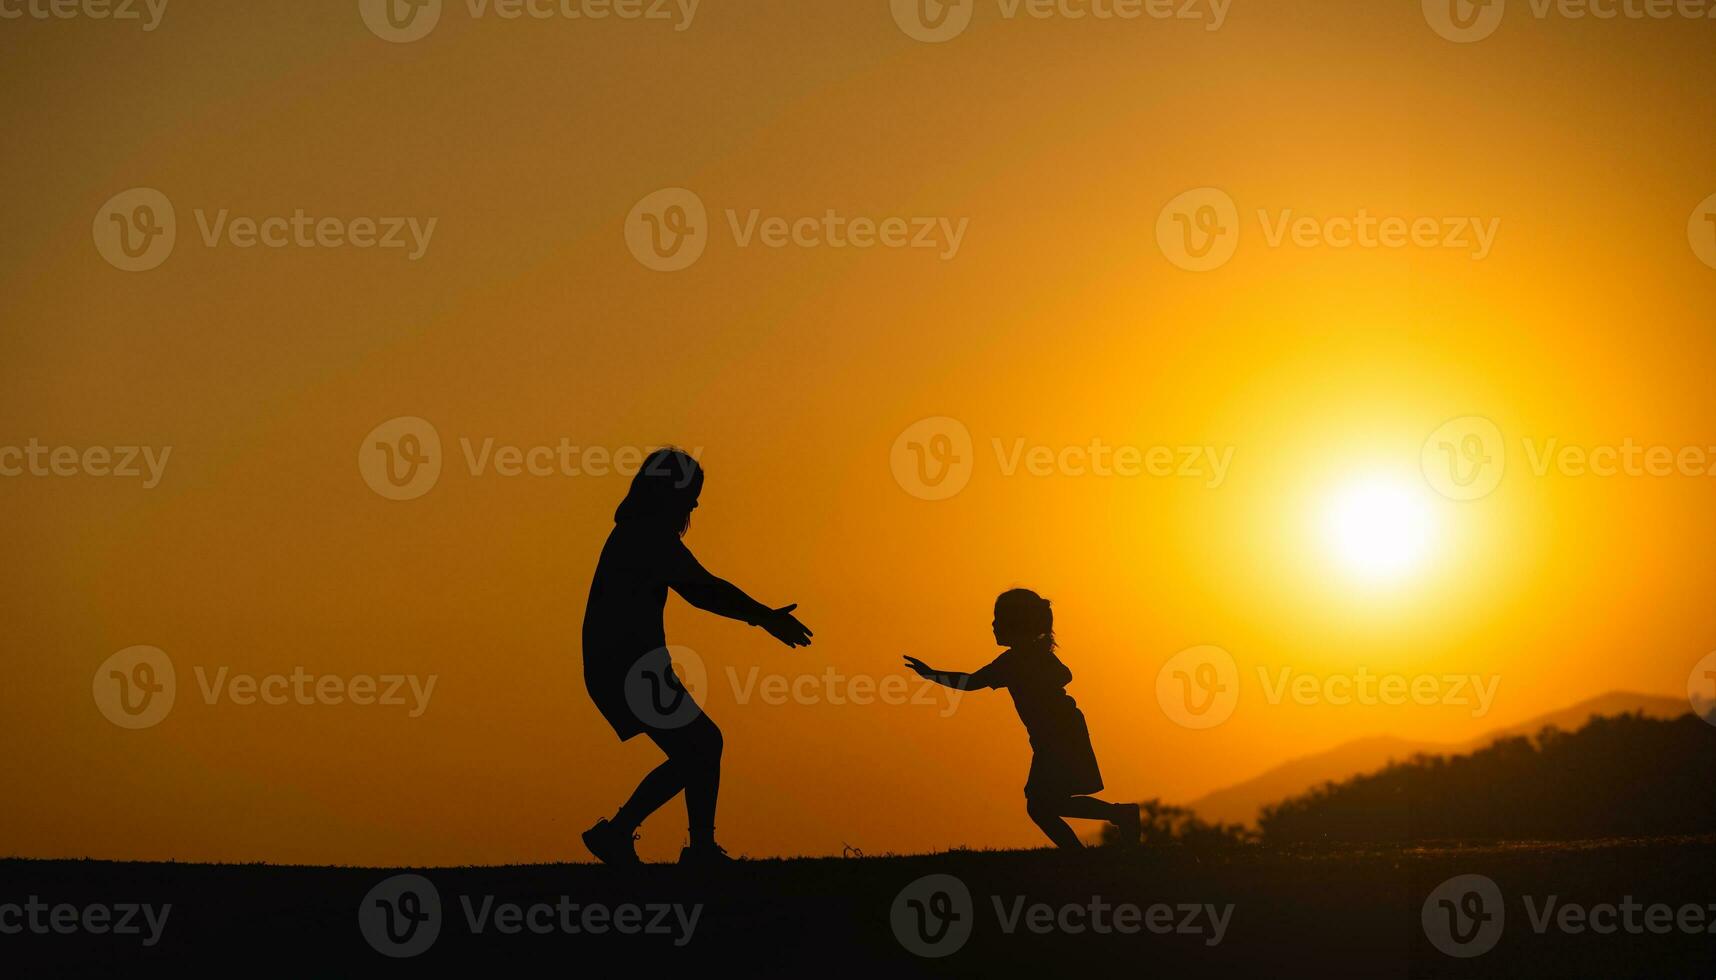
{"x": 957, "y": 680}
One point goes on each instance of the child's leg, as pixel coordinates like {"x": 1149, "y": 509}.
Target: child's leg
{"x": 1091, "y": 808}
{"x": 1046, "y": 814}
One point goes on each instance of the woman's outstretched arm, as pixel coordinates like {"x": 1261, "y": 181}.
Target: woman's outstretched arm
{"x": 958, "y": 680}
{"x": 697, "y": 586}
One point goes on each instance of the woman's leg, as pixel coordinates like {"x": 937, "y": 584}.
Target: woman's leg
{"x": 694, "y": 753}
{"x": 662, "y": 784}
{"x": 1046, "y": 813}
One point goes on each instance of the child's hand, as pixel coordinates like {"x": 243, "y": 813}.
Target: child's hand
{"x": 919, "y": 667}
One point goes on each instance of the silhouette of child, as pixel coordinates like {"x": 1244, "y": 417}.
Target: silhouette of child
{"x": 1064, "y": 773}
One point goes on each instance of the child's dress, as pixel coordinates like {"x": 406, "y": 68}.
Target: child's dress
{"x": 1063, "y": 763}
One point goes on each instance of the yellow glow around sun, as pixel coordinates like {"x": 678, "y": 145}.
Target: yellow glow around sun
{"x": 1379, "y": 528}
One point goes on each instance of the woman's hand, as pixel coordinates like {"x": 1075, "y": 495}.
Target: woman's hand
{"x": 919, "y": 667}
{"x": 785, "y": 627}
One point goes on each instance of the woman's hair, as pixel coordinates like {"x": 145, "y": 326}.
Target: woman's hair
{"x": 664, "y": 491}
{"x": 1030, "y": 612}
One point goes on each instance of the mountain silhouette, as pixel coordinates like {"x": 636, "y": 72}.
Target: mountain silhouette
{"x": 1619, "y": 776}
{"x": 1243, "y": 802}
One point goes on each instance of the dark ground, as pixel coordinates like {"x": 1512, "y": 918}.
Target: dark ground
{"x": 1336, "y": 911}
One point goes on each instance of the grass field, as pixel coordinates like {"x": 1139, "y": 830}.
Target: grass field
{"x": 1334, "y": 911}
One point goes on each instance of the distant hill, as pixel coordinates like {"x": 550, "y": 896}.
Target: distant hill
{"x": 1243, "y": 802}
{"x": 1618, "y": 776}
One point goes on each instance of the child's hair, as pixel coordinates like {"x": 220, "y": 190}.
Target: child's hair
{"x": 664, "y": 490}
{"x": 1031, "y": 611}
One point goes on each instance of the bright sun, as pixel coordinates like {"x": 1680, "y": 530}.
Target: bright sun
{"x": 1379, "y": 528}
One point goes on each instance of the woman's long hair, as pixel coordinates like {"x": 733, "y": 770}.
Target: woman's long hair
{"x": 1031, "y": 612}
{"x": 664, "y": 492}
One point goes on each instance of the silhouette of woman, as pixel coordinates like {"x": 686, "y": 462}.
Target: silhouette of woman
{"x": 628, "y": 669}
{"x": 1063, "y": 764}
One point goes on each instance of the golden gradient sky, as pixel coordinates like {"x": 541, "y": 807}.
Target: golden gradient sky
{"x": 528, "y": 321}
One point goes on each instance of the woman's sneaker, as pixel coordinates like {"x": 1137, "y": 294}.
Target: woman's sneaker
{"x": 610, "y": 844}
{"x": 707, "y": 855}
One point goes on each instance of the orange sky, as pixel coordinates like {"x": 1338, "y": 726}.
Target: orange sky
{"x": 526, "y": 320}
